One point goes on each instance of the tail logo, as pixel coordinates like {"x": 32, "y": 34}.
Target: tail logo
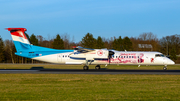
{"x": 21, "y": 34}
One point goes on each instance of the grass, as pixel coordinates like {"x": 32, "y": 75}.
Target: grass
{"x": 55, "y": 66}
{"x": 88, "y": 87}
{"x": 67, "y": 87}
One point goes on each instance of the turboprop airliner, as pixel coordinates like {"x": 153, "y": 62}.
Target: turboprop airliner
{"x": 84, "y": 56}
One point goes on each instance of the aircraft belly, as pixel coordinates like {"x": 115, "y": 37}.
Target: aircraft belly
{"x": 73, "y": 61}
{"x": 47, "y": 58}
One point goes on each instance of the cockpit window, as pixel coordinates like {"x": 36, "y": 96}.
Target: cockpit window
{"x": 159, "y": 55}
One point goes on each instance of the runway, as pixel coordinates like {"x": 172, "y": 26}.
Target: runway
{"x": 80, "y": 71}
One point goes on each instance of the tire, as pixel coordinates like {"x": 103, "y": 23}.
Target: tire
{"x": 85, "y": 67}
{"x": 97, "y": 67}
{"x": 164, "y": 68}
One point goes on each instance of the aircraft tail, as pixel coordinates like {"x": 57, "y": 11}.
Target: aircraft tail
{"x": 21, "y": 41}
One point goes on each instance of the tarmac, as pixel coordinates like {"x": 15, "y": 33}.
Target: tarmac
{"x": 91, "y": 71}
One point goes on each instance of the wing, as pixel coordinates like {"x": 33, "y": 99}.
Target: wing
{"x": 83, "y": 50}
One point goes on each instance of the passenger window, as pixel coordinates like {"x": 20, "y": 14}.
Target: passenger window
{"x": 129, "y": 56}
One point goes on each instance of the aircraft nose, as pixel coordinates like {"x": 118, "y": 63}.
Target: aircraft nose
{"x": 171, "y": 62}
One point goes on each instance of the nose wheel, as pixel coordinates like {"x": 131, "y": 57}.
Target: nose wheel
{"x": 164, "y": 68}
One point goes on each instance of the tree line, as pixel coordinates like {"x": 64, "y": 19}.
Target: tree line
{"x": 169, "y": 45}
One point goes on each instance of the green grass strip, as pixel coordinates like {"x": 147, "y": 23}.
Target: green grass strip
{"x": 67, "y": 87}
{"x": 56, "y": 66}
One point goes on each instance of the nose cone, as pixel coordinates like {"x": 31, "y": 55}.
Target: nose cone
{"x": 171, "y": 62}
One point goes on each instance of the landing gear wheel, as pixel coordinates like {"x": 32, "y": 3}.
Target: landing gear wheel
{"x": 164, "y": 68}
{"x": 97, "y": 67}
{"x": 85, "y": 67}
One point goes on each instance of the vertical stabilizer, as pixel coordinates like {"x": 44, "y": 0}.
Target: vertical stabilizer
{"x": 20, "y": 39}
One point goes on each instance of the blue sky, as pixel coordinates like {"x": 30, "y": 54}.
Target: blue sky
{"x": 105, "y": 18}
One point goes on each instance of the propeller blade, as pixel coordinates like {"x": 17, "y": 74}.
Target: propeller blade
{"x": 110, "y": 55}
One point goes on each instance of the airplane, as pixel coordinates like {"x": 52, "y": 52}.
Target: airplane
{"x": 84, "y": 56}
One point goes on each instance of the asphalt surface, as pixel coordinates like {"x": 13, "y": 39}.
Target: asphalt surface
{"x": 91, "y": 71}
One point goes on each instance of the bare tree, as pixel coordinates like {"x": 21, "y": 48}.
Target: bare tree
{"x": 169, "y": 43}
{"x": 40, "y": 40}
{"x": 146, "y": 38}
{"x": 66, "y": 39}
{"x": 9, "y": 45}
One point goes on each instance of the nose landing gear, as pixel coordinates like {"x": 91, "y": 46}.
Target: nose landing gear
{"x": 165, "y": 67}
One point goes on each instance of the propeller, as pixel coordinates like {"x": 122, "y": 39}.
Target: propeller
{"x": 110, "y": 55}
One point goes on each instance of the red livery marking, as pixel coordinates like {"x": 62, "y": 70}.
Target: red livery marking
{"x": 100, "y": 52}
{"x": 73, "y": 46}
{"x": 128, "y": 58}
{"x": 17, "y": 32}
{"x": 152, "y": 59}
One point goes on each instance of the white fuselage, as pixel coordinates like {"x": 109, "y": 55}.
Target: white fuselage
{"x": 120, "y": 57}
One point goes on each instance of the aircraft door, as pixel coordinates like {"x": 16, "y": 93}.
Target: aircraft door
{"x": 140, "y": 58}
{"x": 59, "y": 58}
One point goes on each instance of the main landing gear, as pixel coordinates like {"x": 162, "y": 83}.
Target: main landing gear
{"x": 97, "y": 67}
{"x": 86, "y": 67}
{"x": 88, "y": 62}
